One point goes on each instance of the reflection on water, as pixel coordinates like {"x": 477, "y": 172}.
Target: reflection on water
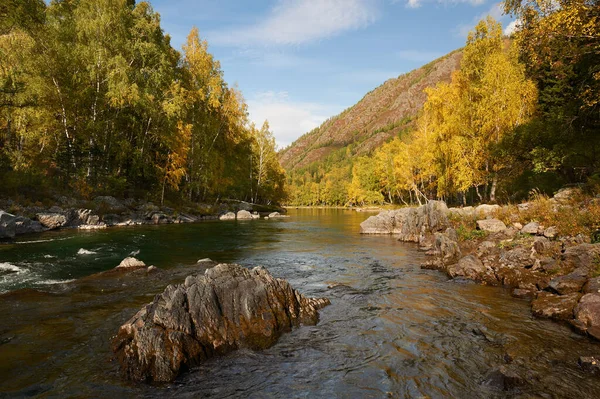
{"x": 393, "y": 330}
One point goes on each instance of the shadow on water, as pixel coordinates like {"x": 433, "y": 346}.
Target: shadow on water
{"x": 393, "y": 330}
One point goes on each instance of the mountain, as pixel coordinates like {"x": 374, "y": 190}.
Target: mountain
{"x": 382, "y": 114}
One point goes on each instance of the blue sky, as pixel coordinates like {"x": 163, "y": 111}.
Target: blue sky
{"x": 298, "y": 62}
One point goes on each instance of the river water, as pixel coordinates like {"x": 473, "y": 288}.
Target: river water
{"x": 392, "y": 330}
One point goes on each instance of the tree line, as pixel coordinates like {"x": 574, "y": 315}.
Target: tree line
{"x": 522, "y": 113}
{"x": 94, "y": 99}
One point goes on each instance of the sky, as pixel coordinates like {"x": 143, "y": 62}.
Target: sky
{"x": 299, "y": 62}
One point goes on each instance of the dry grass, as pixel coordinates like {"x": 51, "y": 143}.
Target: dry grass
{"x": 580, "y": 215}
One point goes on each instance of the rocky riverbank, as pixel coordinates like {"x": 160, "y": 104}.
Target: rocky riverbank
{"x": 558, "y": 272}
{"x": 105, "y": 211}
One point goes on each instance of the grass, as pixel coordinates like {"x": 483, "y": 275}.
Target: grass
{"x": 581, "y": 215}
{"x": 466, "y": 234}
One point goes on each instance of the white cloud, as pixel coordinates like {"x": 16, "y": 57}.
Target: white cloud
{"x": 276, "y": 59}
{"x": 302, "y": 21}
{"x": 419, "y": 55}
{"x": 288, "y": 119}
{"x": 512, "y": 27}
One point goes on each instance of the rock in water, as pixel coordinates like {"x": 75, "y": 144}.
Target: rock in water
{"x": 7, "y": 225}
{"x": 227, "y": 308}
{"x": 244, "y": 215}
{"x": 409, "y": 223}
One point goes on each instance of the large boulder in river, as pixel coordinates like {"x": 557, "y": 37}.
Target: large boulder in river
{"x": 227, "y": 308}
{"x": 409, "y": 223}
{"x": 7, "y": 225}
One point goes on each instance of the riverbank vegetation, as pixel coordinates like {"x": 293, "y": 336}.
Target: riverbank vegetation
{"x": 522, "y": 113}
{"x": 94, "y": 100}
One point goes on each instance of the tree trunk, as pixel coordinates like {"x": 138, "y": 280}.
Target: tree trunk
{"x": 493, "y": 190}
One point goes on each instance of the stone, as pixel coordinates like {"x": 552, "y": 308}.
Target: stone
{"x": 551, "y": 232}
{"x": 80, "y": 217}
{"x": 587, "y": 314}
{"x": 409, "y": 224}
{"x": 591, "y": 364}
{"x": 517, "y": 225}
{"x": 227, "y": 308}
{"x": 582, "y": 255}
{"x": 486, "y": 248}
{"x": 558, "y": 307}
{"x": 503, "y": 378}
{"x": 517, "y": 257}
{"x": 531, "y": 228}
{"x": 131, "y": 263}
{"x": 158, "y": 218}
{"x": 541, "y": 245}
{"x": 566, "y": 195}
{"x": 592, "y": 286}
{"x": 25, "y": 225}
{"x": 467, "y": 213}
{"x": 446, "y": 249}
{"x": 491, "y": 225}
{"x": 472, "y": 268}
{"x": 572, "y": 282}
{"x": 52, "y": 220}
{"x": 244, "y": 215}
{"x": 486, "y": 210}
{"x": 227, "y": 216}
{"x": 8, "y": 228}
{"x": 255, "y": 215}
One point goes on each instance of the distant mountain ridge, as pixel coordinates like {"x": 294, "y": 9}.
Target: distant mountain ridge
{"x": 379, "y": 116}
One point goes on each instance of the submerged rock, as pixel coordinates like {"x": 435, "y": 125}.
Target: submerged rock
{"x": 558, "y": 307}
{"x": 590, "y": 364}
{"x": 227, "y": 308}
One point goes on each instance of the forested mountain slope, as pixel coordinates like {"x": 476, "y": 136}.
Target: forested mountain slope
{"x": 382, "y": 114}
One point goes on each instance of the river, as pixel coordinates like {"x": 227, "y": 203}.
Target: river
{"x": 392, "y": 330}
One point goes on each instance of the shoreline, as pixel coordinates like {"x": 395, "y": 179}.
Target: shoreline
{"x": 558, "y": 273}
{"x": 108, "y": 212}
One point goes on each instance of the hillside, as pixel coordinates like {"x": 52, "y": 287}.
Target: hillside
{"x": 382, "y": 114}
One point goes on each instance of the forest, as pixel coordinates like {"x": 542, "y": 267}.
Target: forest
{"x": 94, "y": 100}
{"x": 521, "y": 114}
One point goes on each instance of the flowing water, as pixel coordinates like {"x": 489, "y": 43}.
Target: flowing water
{"x": 392, "y": 330}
